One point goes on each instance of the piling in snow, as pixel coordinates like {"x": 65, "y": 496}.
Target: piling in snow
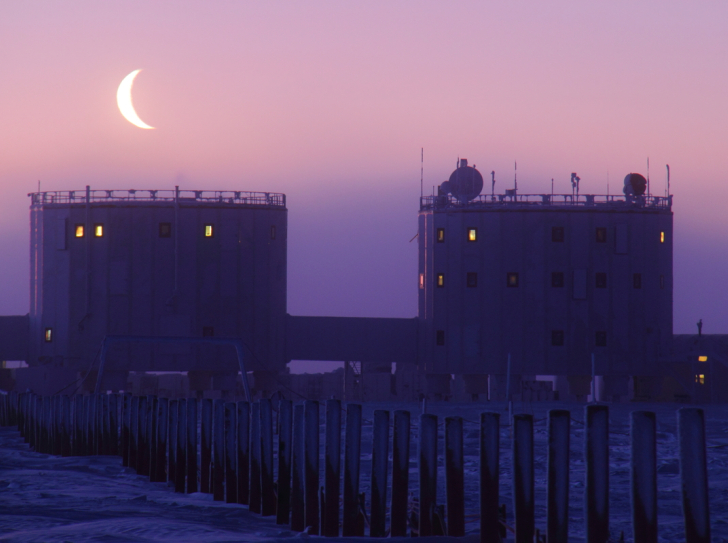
{"x": 311, "y": 477}
{"x": 285, "y": 427}
{"x": 694, "y": 474}
{"x": 243, "y": 420}
{"x": 332, "y": 469}
{"x": 597, "y": 473}
{"x": 427, "y": 473}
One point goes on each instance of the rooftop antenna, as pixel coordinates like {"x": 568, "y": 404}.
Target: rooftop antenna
{"x": 607, "y": 184}
{"x": 552, "y": 186}
{"x": 515, "y": 175}
{"x": 575, "y": 184}
{"x": 39, "y": 180}
{"x": 668, "y": 179}
{"x": 492, "y": 183}
{"x": 422, "y": 171}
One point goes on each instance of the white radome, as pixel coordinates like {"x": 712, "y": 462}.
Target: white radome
{"x": 123, "y": 99}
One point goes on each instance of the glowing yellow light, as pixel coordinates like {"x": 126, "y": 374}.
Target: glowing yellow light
{"x": 472, "y": 234}
{"x": 422, "y": 280}
{"x": 99, "y": 230}
{"x": 79, "y": 230}
{"x": 440, "y": 279}
{"x": 700, "y": 378}
{"x": 208, "y": 230}
{"x": 48, "y": 335}
{"x": 702, "y": 359}
{"x": 662, "y": 237}
{"x": 440, "y": 235}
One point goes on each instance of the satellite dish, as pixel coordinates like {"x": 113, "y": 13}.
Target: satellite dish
{"x": 634, "y": 184}
{"x": 465, "y": 183}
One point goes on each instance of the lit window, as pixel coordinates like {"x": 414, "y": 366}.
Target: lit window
{"x": 208, "y": 331}
{"x": 440, "y": 235}
{"x": 208, "y": 230}
{"x": 637, "y": 280}
{"x": 273, "y": 232}
{"x": 440, "y": 280}
{"x": 165, "y": 230}
{"x": 557, "y": 279}
{"x": 99, "y": 230}
{"x": 700, "y": 378}
{"x": 48, "y": 335}
{"x": 472, "y": 234}
{"x": 662, "y": 237}
{"x": 557, "y": 233}
{"x": 512, "y": 279}
{"x": 422, "y": 280}
{"x": 79, "y": 230}
{"x": 702, "y": 359}
{"x": 557, "y": 338}
{"x": 601, "y": 235}
{"x": 440, "y": 339}
{"x": 472, "y": 279}
{"x": 600, "y": 280}
{"x": 600, "y": 339}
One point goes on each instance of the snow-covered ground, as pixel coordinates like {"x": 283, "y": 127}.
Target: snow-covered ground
{"x": 51, "y": 499}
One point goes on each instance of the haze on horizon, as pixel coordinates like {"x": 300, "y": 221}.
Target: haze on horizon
{"x": 331, "y": 103}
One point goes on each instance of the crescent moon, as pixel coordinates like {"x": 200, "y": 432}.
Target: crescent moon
{"x": 123, "y": 99}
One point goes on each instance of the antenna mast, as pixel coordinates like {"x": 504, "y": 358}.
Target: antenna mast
{"x": 515, "y": 175}
{"x": 648, "y": 176}
{"x": 668, "y": 179}
{"x": 422, "y": 171}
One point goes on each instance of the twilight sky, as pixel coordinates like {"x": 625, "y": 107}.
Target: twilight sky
{"x": 330, "y": 102}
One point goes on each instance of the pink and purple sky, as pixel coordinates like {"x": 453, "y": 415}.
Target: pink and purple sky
{"x": 330, "y": 103}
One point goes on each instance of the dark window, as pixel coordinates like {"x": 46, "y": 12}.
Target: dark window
{"x": 637, "y": 280}
{"x": 209, "y": 230}
{"x": 512, "y": 279}
{"x": 600, "y": 339}
{"x": 557, "y": 338}
{"x": 165, "y": 230}
{"x": 557, "y": 233}
{"x": 273, "y": 232}
{"x": 440, "y": 337}
{"x": 472, "y": 234}
{"x": 79, "y": 230}
{"x": 440, "y": 280}
{"x": 472, "y": 279}
{"x": 601, "y": 234}
{"x": 600, "y": 280}
{"x": 440, "y": 235}
{"x": 48, "y": 335}
{"x": 557, "y": 279}
{"x": 662, "y": 281}
{"x": 208, "y": 331}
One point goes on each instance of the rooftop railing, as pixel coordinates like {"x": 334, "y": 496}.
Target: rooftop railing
{"x": 270, "y": 199}
{"x": 496, "y": 201}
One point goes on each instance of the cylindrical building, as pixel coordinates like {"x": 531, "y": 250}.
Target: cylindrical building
{"x": 546, "y": 279}
{"x": 157, "y": 263}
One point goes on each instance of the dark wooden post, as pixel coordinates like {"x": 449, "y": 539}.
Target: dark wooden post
{"x": 57, "y": 441}
{"x": 104, "y": 406}
{"x": 298, "y": 519}
{"x": 332, "y": 469}
{"x": 162, "y": 434}
{"x": 65, "y": 425}
{"x": 218, "y": 450}
{"x": 285, "y": 421}
{"x": 644, "y": 476}
{"x": 267, "y": 478}
{"x": 596, "y": 491}
{"x": 352, "y": 454}
{"x": 311, "y": 478}
{"x": 254, "y": 494}
{"x": 243, "y": 419}
{"x": 180, "y": 468}
{"x": 143, "y": 450}
{"x": 489, "y": 477}
{"x": 133, "y": 432}
{"x": 93, "y": 426}
{"x": 455, "y": 476}
{"x": 523, "y": 478}
{"x": 125, "y": 426}
{"x": 153, "y": 433}
{"x": 205, "y": 445}
{"x": 427, "y": 473}
{"x": 114, "y": 424}
{"x": 557, "y": 512}
{"x": 694, "y": 474}
{"x": 172, "y": 437}
{"x": 231, "y": 453}
{"x": 191, "y": 445}
{"x": 400, "y": 473}
{"x": 380, "y": 460}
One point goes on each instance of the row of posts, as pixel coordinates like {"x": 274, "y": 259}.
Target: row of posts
{"x": 159, "y": 438}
